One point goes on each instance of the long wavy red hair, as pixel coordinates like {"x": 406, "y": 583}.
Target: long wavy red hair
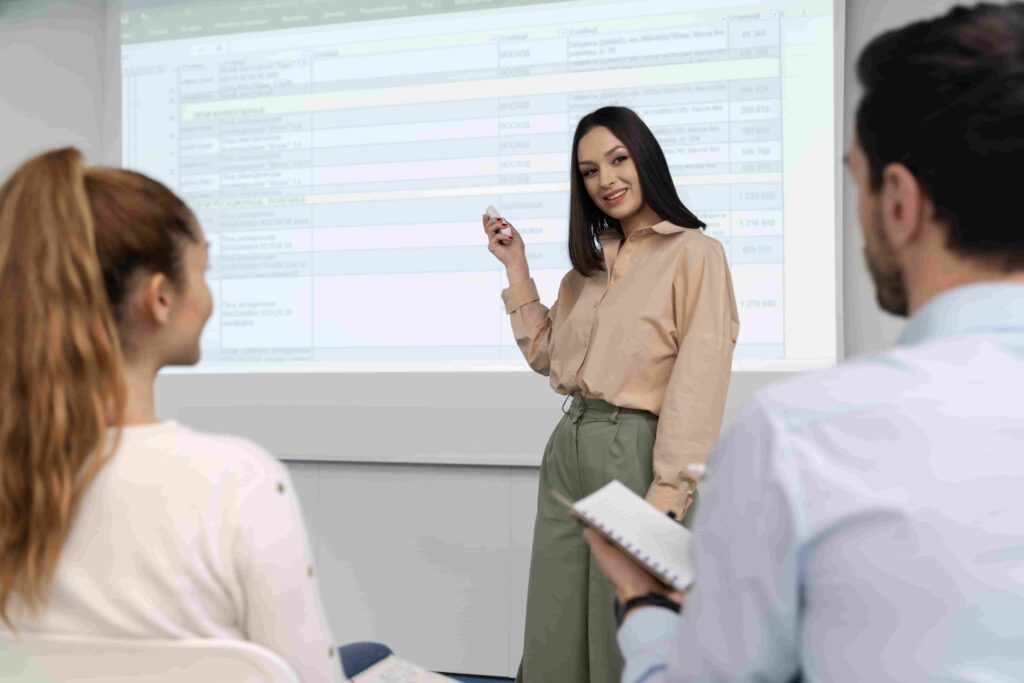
{"x": 70, "y": 240}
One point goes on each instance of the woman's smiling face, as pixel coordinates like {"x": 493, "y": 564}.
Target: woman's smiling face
{"x": 609, "y": 174}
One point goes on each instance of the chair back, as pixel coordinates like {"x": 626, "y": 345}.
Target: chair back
{"x": 44, "y": 658}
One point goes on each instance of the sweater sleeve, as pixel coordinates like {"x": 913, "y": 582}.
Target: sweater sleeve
{"x": 281, "y": 606}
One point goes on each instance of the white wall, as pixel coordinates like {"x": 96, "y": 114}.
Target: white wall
{"x": 866, "y": 328}
{"x": 431, "y": 559}
{"x": 52, "y": 80}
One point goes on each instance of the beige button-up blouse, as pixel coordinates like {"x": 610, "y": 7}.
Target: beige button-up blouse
{"x": 655, "y": 331}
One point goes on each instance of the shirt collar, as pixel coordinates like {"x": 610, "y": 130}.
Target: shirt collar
{"x": 662, "y": 228}
{"x": 970, "y": 309}
{"x": 666, "y": 228}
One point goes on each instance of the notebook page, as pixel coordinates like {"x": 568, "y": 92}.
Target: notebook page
{"x": 659, "y": 542}
{"x": 395, "y": 670}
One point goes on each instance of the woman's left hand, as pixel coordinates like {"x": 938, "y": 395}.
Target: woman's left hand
{"x": 628, "y": 577}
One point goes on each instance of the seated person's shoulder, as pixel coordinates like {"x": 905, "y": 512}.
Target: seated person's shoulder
{"x": 860, "y": 384}
{"x": 170, "y": 477}
{"x": 203, "y": 459}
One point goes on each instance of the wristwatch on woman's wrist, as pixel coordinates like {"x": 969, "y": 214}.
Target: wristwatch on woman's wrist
{"x": 650, "y": 599}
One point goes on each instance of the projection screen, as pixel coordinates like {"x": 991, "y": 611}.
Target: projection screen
{"x": 339, "y": 154}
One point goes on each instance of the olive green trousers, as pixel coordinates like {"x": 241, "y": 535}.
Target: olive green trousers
{"x": 570, "y": 623}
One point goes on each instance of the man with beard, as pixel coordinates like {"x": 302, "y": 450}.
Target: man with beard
{"x": 867, "y": 522}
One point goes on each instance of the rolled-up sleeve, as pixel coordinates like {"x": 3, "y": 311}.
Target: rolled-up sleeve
{"x": 707, "y": 321}
{"x": 533, "y": 339}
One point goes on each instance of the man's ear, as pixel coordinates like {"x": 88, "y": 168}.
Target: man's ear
{"x": 903, "y": 204}
{"x": 156, "y": 299}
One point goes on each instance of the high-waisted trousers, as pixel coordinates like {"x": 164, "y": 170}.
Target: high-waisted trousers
{"x": 570, "y": 620}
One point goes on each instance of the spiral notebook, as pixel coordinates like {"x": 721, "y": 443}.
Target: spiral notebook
{"x": 395, "y": 670}
{"x": 656, "y": 541}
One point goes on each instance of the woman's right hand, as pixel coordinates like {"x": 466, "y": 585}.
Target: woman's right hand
{"x": 508, "y": 249}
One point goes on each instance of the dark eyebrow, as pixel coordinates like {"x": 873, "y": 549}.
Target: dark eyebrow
{"x": 608, "y": 153}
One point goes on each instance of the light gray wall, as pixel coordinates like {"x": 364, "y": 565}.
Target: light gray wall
{"x": 52, "y": 78}
{"x": 866, "y": 328}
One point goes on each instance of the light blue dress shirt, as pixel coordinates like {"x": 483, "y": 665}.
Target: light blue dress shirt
{"x": 866, "y": 522}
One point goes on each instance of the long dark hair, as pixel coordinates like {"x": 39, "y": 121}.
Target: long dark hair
{"x": 586, "y": 221}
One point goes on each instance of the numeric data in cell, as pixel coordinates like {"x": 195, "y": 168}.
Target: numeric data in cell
{"x": 760, "y": 306}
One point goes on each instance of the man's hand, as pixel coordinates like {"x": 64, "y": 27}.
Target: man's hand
{"x": 628, "y": 577}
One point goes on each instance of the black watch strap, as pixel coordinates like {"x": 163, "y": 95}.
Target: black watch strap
{"x": 650, "y": 599}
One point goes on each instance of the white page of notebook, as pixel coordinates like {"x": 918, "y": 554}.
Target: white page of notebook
{"x": 396, "y": 670}
{"x": 634, "y": 524}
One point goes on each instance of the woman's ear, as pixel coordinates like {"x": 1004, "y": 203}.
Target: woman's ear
{"x": 903, "y": 205}
{"x": 156, "y": 298}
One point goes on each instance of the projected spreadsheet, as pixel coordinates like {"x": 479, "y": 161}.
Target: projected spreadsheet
{"x": 340, "y": 171}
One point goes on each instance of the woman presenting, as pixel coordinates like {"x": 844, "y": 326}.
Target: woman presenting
{"x": 641, "y": 337}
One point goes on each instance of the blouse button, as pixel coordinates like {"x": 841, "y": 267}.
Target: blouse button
{"x": 280, "y": 487}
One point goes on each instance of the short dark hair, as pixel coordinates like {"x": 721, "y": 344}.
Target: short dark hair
{"x": 945, "y": 98}
{"x": 586, "y": 221}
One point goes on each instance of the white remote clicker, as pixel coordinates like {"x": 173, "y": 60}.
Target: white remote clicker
{"x": 493, "y": 213}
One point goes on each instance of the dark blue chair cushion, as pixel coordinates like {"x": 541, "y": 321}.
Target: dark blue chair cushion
{"x": 357, "y": 657}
